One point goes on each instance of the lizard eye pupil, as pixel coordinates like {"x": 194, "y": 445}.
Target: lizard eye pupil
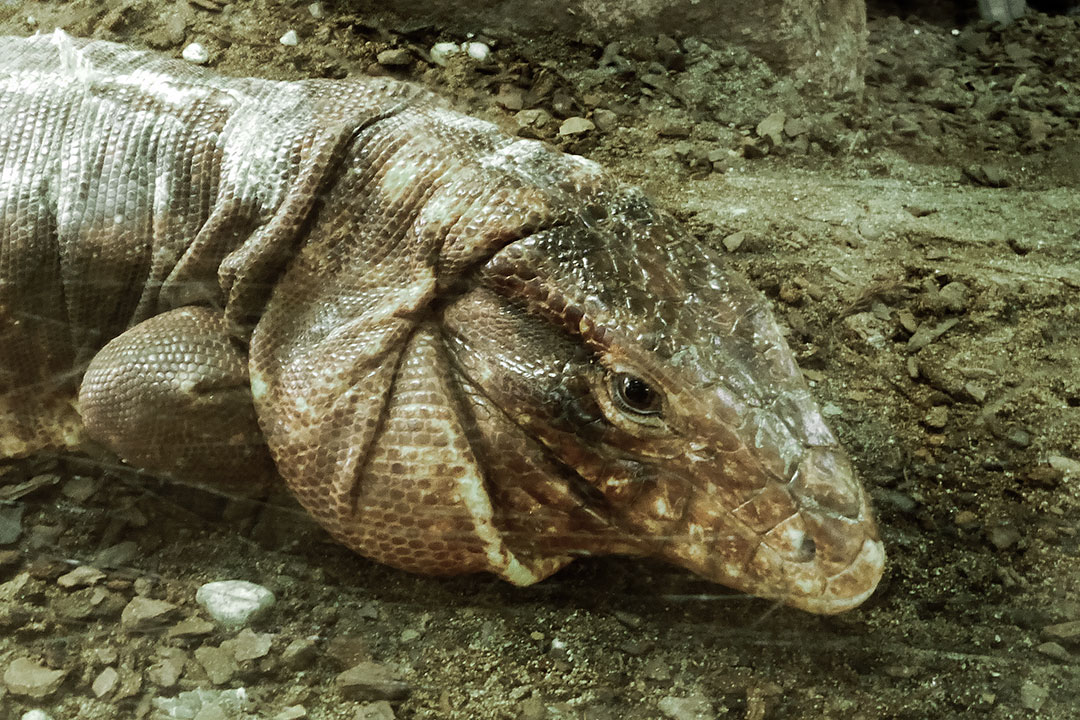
{"x": 636, "y": 395}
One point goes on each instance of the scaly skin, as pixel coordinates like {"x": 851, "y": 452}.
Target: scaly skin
{"x": 463, "y": 351}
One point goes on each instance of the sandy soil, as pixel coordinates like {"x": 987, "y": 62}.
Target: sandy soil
{"x": 921, "y": 242}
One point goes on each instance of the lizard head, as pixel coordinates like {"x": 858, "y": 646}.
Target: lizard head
{"x": 631, "y": 395}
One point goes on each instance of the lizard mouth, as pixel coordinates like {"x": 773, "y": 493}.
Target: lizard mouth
{"x": 810, "y": 543}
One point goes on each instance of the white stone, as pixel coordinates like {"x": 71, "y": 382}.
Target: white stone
{"x": 441, "y": 52}
{"x": 476, "y": 50}
{"x": 36, "y": 715}
{"x": 195, "y": 53}
{"x": 234, "y": 603}
{"x": 316, "y": 10}
{"x": 290, "y": 39}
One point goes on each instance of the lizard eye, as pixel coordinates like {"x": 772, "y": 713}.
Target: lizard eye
{"x": 635, "y": 395}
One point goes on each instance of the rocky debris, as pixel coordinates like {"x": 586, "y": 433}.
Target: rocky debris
{"x": 143, "y": 614}
{"x": 170, "y": 666}
{"x": 1063, "y": 631}
{"x": 248, "y": 645}
{"x": 35, "y": 715}
{"x": 395, "y": 57}
{"x": 300, "y": 653}
{"x": 82, "y": 576}
{"x": 575, "y": 126}
{"x": 381, "y": 710}
{"x": 218, "y": 662}
{"x": 27, "y": 678}
{"x": 693, "y": 707}
{"x": 1033, "y": 696}
{"x": 10, "y": 523}
{"x": 234, "y": 603}
{"x": 372, "y": 681}
{"x": 118, "y": 555}
{"x": 193, "y": 626}
{"x": 105, "y": 682}
{"x": 232, "y": 704}
{"x": 196, "y": 54}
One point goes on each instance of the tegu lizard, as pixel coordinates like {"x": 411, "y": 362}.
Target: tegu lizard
{"x": 463, "y": 351}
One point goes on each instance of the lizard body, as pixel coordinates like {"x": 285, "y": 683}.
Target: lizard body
{"x": 463, "y": 351}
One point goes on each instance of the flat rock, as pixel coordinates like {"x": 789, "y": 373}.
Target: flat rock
{"x": 191, "y": 627}
{"x": 218, "y": 662}
{"x": 105, "y": 682}
{"x": 10, "y": 523}
{"x": 167, "y": 671}
{"x": 248, "y": 645}
{"x": 82, "y": 576}
{"x": 380, "y": 710}
{"x": 372, "y": 681}
{"x": 29, "y": 679}
{"x": 694, "y": 707}
{"x": 234, "y": 603}
{"x": 143, "y": 614}
{"x": 575, "y": 126}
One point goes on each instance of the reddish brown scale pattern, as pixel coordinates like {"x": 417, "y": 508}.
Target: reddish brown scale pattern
{"x": 434, "y": 315}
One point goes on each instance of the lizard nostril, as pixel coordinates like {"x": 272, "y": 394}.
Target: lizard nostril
{"x": 807, "y": 549}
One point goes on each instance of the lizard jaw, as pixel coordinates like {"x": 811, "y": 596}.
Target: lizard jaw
{"x": 810, "y": 543}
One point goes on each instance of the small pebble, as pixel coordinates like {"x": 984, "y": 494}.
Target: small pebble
{"x": 1066, "y": 466}
{"x": 966, "y": 520}
{"x": 36, "y": 715}
{"x": 510, "y": 97}
{"x": 248, "y": 645}
{"x": 82, "y": 576}
{"x": 605, "y": 119}
{"x": 380, "y": 710}
{"x": 695, "y": 707}
{"x": 205, "y": 703}
{"x": 734, "y": 241}
{"x": 143, "y": 614}
{"x": 105, "y": 682}
{"x": 575, "y": 126}
{"x": 477, "y": 51}
{"x": 937, "y": 418}
{"x": 11, "y": 525}
{"x": 1064, "y": 631}
{"x": 300, "y": 653}
{"x": 772, "y": 127}
{"x": 195, "y": 53}
{"x": 292, "y": 712}
{"x": 371, "y": 681}
{"x": 234, "y": 603}
{"x": 1032, "y": 695}
{"x": 26, "y": 677}
{"x": 289, "y": 39}
{"x": 219, "y": 664}
{"x": 191, "y": 627}
{"x": 167, "y": 671}
{"x": 441, "y": 52}
{"x": 117, "y": 555}
{"x": 954, "y": 297}
{"x": 79, "y": 488}
{"x": 1054, "y": 650}
{"x": 395, "y": 57}
{"x": 316, "y": 10}
{"x": 1002, "y": 536}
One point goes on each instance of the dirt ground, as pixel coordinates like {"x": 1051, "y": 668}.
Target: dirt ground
{"x": 921, "y": 242}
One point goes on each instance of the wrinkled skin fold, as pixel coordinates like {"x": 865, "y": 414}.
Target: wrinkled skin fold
{"x": 464, "y": 352}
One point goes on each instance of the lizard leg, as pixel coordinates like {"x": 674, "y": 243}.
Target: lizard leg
{"x": 171, "y": 395}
